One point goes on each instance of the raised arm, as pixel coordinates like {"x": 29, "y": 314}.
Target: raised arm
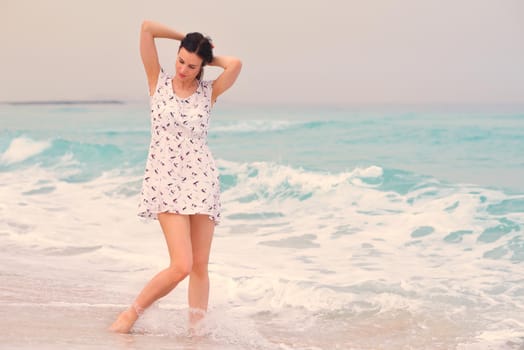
{"x": 149, "y": 31}
{"x": 226, "y": 79}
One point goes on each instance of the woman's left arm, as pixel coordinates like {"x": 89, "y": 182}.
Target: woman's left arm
{"x": 226, "y": 79}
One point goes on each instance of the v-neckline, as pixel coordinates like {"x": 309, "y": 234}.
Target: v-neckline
{"x": 183, "y": 98}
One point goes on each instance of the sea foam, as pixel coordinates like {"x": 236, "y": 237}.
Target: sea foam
{"x": 22, "y": 148}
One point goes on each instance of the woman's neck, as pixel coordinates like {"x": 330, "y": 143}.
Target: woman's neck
{"x": 184, "y": 85}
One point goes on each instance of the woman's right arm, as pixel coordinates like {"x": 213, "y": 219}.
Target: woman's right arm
{"x": 149, "y": 31}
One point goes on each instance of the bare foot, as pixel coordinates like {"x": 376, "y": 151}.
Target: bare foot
{"x": 124, "y": 322}
{"x": 195, "y": 317}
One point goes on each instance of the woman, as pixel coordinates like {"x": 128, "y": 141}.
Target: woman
{"x": 180, "y": 187}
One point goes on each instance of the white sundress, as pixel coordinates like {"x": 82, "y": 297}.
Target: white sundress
{"x": 180, "y": 176}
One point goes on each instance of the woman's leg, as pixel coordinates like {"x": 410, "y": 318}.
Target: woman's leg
{"x": 202, "y": 229}
{"x": 176, "y": 230}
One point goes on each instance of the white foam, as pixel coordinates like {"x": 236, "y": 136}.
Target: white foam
{"x": 254, "y": 125}
{"x": 22, "y": 148}
{"x": 62, "y": 304}
{"x": 359, "y": 255}
{"x": 372, "y": 171}
{"x": 271, "y": 176}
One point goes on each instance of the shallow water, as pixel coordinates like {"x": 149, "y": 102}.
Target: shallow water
{"x": 341, "y": 228}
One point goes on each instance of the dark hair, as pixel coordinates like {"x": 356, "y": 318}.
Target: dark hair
{"x": 201, "y": 45}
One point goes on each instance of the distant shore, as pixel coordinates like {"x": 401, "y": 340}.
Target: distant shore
{"x": 65, "y": 102}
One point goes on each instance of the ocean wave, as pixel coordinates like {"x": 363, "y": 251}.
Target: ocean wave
{"x": 416, "y": 211}
{"x": 23, "y": 148}
{"x": 261, "y": 125}
{"x": 72, "y": 160}
{"x": 276, "y": 180}
{"x": 251, "y": 126}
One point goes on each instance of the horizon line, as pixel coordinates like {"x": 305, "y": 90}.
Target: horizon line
{"x": 62, "y": 102}
{"x": 227, "y": 103}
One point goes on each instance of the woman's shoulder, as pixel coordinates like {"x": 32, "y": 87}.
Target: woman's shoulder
{"x": 163, "y": 75}
{"x": 206, "y": 87}
{"x": 207, "y": 84}
{"x": 162, "y": 81}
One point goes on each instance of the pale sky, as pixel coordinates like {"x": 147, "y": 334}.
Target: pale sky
{"x": 294, "y": 52}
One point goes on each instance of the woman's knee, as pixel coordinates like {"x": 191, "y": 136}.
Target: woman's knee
{"x": 180, "y": 269}
{"x": 199, "y": 269}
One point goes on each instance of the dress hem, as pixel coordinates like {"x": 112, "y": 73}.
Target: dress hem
{"x": 153, "y": 215}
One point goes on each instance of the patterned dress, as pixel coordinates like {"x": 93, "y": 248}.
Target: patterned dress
{"x": 180, "y": 176}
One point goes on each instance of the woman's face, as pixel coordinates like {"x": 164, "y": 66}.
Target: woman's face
{"x": 188, "y": 65}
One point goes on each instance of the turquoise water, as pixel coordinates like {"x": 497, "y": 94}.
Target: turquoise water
{"x": 342, "y": 227}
